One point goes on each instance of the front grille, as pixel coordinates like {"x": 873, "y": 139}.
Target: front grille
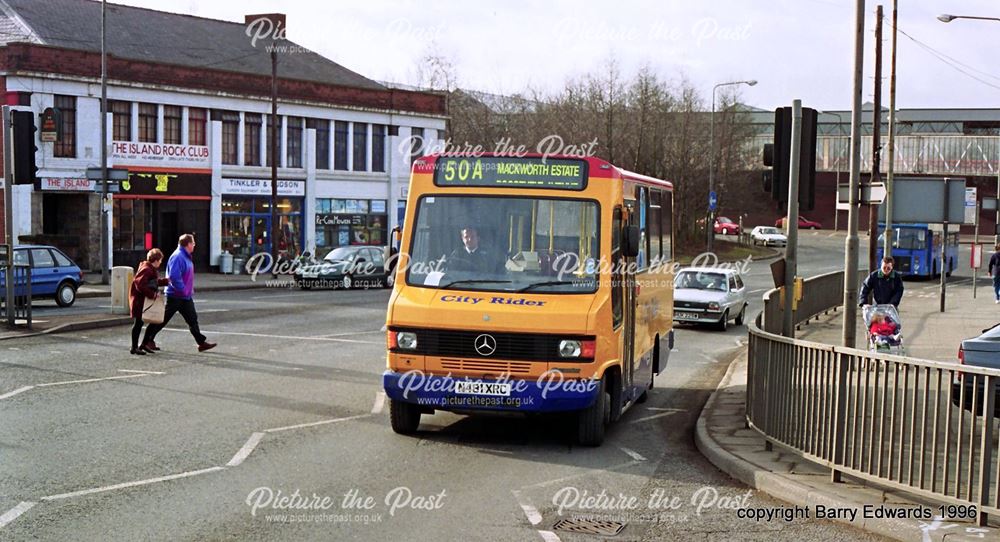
{"x": 479, "y": 366}
{"x": 509, "y": 346}
{"x": 690, "y": 305}
{"x": 902, "y": 263}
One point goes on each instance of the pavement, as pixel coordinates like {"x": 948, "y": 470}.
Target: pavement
{"x": 92, "y": 288}
{"x": 724, "y": 438}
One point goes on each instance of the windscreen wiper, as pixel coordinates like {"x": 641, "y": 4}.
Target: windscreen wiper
{"x": 550, "y": 283}
{"x": 472, "y": 281}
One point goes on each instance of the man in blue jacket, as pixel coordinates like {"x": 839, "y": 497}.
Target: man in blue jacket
{"x": 885, "y": 285}
{"x": 995, "y": 273}
{"x": 180, "y": 296}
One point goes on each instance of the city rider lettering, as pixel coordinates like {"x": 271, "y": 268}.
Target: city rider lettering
{"x": 460, "y": 299}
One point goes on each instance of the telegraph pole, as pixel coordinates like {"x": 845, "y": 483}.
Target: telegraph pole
{"x": 851, "y": 243}
{"x": 105, "y": 241}
{"x": 274, "y": 161}
{"x": 887, "y": 248}
{"x": 876, "y": 145}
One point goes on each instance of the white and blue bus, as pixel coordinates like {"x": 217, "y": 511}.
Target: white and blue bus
{"x": 916, "y": 248}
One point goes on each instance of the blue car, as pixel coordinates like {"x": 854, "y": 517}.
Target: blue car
{"x": 53, "y": 274}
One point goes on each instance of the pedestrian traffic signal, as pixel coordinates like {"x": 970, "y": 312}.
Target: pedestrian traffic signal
{"x": 778, "y": 156}
{"x": 23, "y": 123}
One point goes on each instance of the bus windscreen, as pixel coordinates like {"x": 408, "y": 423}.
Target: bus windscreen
{"x": 511, "y": 172}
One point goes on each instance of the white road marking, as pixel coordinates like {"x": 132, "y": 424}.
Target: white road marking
{"x": 267, "y": 336}
{"x": 379, "y": 402}
{"x": 141, "y": 372}
{"x": 660, "y": 415}
{"x": 298, "y": 294}
{"x": 88, "y": 380}
{"x": 587, "y": 473}
{"x": 15, "y": 392}
{"x": 13, "y": 513}
{"x": 549, "y": 536}
{"x": 632, "y": 453}
{"x": 131, "y": 484}
{"x": 313, "y": 424}
{"x": 246, "y": 450}
{"x": 354, "y": 333}
{"x": 533, "y": 516}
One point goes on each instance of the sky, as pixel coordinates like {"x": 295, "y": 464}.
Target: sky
{"x": 795, "y": 49}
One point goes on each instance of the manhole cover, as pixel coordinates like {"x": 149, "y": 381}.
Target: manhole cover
{"x": 586, "y": 526}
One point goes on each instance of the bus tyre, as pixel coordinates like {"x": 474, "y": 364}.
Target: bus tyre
{"x": 643, "y": 398}
{"x": 591, "y": 420}
{"x": 723, "y": 322}
{"x": 404, "y": 417}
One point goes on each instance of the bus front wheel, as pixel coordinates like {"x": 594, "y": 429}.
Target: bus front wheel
{"x": 405, "y": 417}
{"x": 591, "y": 421}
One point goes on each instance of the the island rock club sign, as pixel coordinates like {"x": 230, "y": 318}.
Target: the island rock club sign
{"x": 159, "y": 154}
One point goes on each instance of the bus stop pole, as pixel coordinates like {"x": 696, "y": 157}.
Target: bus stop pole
{"x": 8, "y": 210}
{"x": 791, "y": 247}
{"x": 975, "y": 246}
{"x": 944, "y": 244}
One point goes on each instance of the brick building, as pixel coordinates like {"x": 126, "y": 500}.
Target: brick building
{"x": 188, "y": 117}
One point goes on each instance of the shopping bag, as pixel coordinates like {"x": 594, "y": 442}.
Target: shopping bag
{"x": 153, "y": 310}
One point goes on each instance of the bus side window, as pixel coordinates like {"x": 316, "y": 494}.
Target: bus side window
{"x": 616, "y": 268}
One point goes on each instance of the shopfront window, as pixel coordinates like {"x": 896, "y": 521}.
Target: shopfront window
{"x": 131, "y": 220}
{"x": 350, "y": 222}
{"x": 246, "y": 225}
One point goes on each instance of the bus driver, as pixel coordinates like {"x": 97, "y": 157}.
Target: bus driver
{"x": 471, "y": 257}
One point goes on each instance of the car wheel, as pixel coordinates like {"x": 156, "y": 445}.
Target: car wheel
{"x": 66, "y": 294}
{"x": 348, "y": 282}
{"x": 591, "y": 420}
{"x": 723, "y": 322}
{"x": 404, "y": 417}
{"x": 741, "y": 316}
{"x": 725, "y": 231}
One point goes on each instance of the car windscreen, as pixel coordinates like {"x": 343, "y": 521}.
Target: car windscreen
{"x": 697, "y": 280}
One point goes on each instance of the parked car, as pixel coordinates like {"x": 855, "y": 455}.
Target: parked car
{"x": 804, "y": 223}
{"x": 981, "y": 351}
{"x": 726, "y": 226}
{"x": 53, "y": 274}
{"x": 768, "y": 236}
{"x": 346, "y": 267}
{"x": 709, "y": 295}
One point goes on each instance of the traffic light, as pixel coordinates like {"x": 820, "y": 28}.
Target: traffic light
{"x": 25, "y": 170}
{"x": 778, "y": 156}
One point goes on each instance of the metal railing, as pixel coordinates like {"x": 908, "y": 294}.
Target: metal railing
{"x": 910, "y": 424}
{"x": 21, "y": 303}
{"x": 821, "y": 294}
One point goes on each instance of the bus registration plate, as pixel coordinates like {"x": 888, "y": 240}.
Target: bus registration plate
{"x": 501, "y": 389}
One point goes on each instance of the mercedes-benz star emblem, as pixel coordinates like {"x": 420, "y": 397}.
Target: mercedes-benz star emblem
{"x": 486, "y": 345}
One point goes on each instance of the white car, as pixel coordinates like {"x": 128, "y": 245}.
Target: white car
{"x": 707, "y": 295}
{"x": 768, "y": 236}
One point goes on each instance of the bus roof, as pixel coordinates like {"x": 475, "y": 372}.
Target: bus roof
{"x": 598, "y": 167}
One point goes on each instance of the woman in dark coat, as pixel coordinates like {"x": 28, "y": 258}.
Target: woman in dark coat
{"x": 144, "y": 286}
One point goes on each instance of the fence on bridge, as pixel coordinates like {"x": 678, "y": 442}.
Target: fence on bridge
{"x": 906, "y": 423}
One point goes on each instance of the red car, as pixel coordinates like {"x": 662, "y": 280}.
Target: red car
{"x": 726, "y": 226}
{"x": 804, "y": 223}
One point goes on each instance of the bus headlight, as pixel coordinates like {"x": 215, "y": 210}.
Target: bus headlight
{"x": 573, "y": 348}
{"x": 406, "y": 340}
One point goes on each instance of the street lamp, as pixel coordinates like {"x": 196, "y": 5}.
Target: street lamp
{"x": 710, "y": 220}
{"x": 945, "y": 18}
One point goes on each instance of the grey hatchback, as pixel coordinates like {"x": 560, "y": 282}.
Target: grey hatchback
{"x": 981, "y": 351}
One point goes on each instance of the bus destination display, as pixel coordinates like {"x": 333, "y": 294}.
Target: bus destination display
{"x": 510, "y": 172}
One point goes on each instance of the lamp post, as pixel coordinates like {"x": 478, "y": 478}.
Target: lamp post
{"x": 945, "y": 18}
{"x": 710, "y": 218}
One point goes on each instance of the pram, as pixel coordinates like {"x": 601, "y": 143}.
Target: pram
{"x": 890, "y": 343}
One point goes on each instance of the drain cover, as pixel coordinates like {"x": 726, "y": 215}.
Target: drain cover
{"x": 587, "y": 526}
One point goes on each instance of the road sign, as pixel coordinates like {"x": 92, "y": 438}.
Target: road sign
{"x": 976, "y": 261}
{"x": 867, "y": 193}
{"x": 713, "y": 200}
{"x": 912, "y": 197}
{"x": 970, "y": 205}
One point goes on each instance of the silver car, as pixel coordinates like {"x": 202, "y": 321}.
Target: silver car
{"x": 981, "y": 351}
{"x": 768, "y": 236}
{"x": 707, "y": 295}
